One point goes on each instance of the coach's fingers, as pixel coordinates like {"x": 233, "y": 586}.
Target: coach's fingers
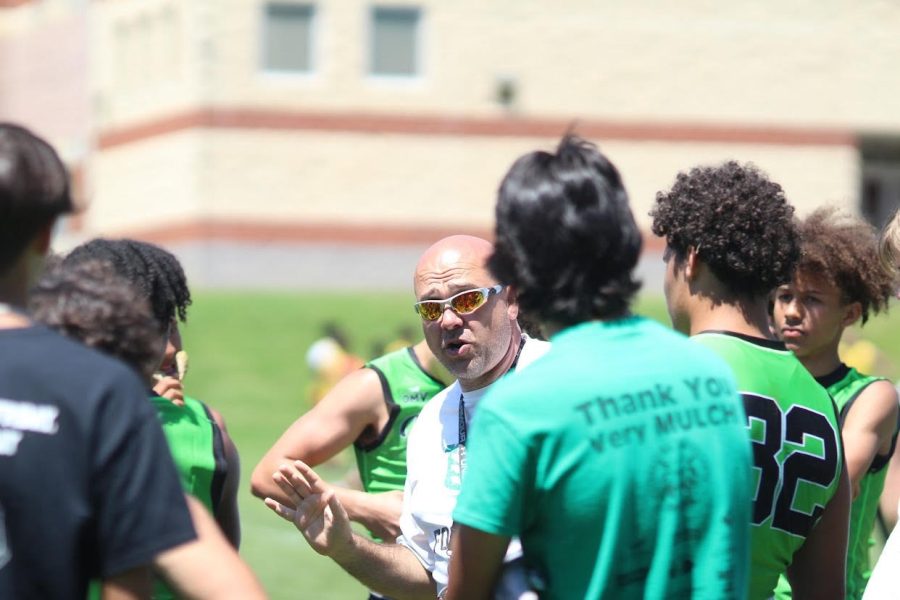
{"x": 283, "y": 482}
{"x": 337, "y": 509}
{"x": 281, "y": 510}
{"x": 312, "y": 509}
{"x": 315, "y": 483}
{"x": 299, "y": 481}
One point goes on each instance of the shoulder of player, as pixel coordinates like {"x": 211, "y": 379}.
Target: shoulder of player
{"x": 74, "y": 362}
{"x": 876, "y": 403}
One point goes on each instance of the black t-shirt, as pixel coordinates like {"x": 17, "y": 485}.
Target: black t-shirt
{"x": 87, "y": 484}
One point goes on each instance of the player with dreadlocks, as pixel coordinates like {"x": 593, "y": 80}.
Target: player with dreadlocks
{"x": 204, "y": 453}
{"x": 839, "y": 282}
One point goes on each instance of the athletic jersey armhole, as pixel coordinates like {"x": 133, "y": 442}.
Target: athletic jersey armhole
{"x": 415, "y": 359}
{"x": 837, "y": 419}
{"x": 881, "y": 460}
{"x": 221, "y": 462}
{"x": 393, "y": 412}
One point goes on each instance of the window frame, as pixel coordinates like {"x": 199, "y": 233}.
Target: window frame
{"x": 419, "y": 43}
{"x": 313, "y": 42}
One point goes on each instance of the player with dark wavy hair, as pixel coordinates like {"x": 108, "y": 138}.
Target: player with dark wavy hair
{"x": 206, "y": 457}
{"x": 839, "y": 282}
{"x": 93, "y": 305}
{"x": 731, "y": 239}
{"x": 581, "y": 451}
{"x": 570, "y": 261}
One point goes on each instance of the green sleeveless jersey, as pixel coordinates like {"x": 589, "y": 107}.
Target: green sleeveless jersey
{"x": 845, "y": 385}
{"x": 797, "y": 454}
{"x": 198, "y": 451}
{"x": 197, "y": 448}
{"x": 195, "y": 441}
{"x": 381, "y": 458}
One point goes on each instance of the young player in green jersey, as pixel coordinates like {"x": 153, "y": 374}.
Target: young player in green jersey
{"x": 90, "y": 303}
{"x": 730, "y": 241}
{"x": 838, "y": 283}
{"x": 372, "y": 409}
{"x": 206, "y": 458}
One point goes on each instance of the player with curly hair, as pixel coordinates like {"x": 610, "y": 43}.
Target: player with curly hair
{"x": 730, "y": 241}
{"x": 838, "y": 282}
{"x": 93, "y": 305}
{"x": 204, "y": 453}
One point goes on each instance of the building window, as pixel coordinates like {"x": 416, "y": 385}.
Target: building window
{"x": 395, "y": 41}
{"x": 880, "y": 193}
{"x": 288, "y": 37}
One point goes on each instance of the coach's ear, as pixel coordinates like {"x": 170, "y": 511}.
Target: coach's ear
{"x": 512, "y": 302}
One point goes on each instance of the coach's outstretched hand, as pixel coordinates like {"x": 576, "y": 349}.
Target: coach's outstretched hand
{"x": 316, "y": 511}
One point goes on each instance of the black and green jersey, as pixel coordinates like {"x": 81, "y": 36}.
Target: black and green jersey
{"x": 381, "y": 457}
{"x": 845, "y": 385}
{"x": 797, "y": 453}
{"x": 195, "y": 441}
{"x": 197, "y": 448}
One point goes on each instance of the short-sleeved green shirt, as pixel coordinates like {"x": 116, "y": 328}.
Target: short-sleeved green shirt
{"x": 797, "y": 452}
{"x": 621, "y": 461}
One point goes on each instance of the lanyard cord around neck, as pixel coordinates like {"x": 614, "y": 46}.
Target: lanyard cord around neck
{"x": 463, "y": 425}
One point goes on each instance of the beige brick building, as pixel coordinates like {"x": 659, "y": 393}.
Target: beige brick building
{"x": 345, "y": 120}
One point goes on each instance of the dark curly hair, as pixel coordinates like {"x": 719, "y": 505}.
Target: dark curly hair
{"x": 154, "y": 272}
{"x": 844, "y": 251}
{"x": 565, "y": 236}
{"x": 34, "y": 190}
{"x": 88, "y": 302}
{"x": 737, "y": 220}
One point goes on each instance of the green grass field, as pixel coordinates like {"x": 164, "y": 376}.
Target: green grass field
{"x": 247, "y": 360}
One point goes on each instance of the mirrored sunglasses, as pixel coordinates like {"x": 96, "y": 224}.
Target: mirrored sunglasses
{"x": 463, "y": 303}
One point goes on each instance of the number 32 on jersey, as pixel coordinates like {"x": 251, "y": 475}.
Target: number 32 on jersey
{"x": 797, "y": 457}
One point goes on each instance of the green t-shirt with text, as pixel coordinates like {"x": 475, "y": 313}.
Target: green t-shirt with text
{"x": 620, "y": 460}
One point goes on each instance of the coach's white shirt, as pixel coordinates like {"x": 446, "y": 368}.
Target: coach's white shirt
{"x": 884, "y": 584}
{"x": 433, "y": 474}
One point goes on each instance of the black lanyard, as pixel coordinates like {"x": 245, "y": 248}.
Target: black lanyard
{"x": 463, "y": 425}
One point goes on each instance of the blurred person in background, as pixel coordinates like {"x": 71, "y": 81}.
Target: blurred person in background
{"x": 329, "y": 360}
{"x": 469, "y": 322}
{"x": 730, "y": 241}
{"x": 592, "y": 455}
{"x": 77, "y": 423}
{"x": 837, "y": 283}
